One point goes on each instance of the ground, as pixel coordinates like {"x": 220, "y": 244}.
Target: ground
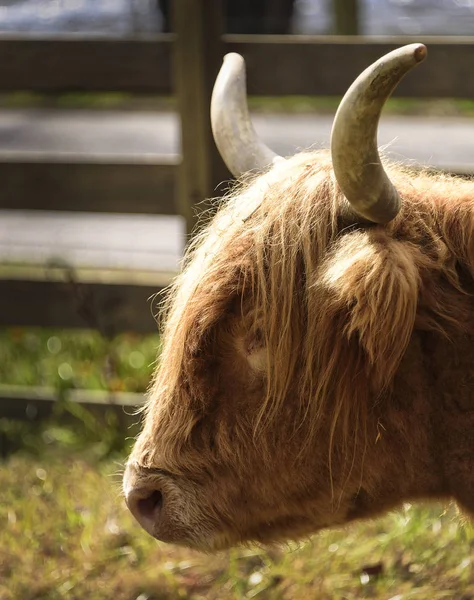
{"x": 66, "y": 535}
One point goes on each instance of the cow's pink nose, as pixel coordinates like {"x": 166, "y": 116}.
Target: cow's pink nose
{"x": 145, "y": 505}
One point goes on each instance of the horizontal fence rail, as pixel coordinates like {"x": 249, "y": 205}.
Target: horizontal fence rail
{"x": 33, "y": 403}
{"x": 134, "y": 184}
{"x": 73, "y": 63}
{"x": 319, "y": 66}
{"x": 307, "y": 65}
{"x": 60, "y": 183}
{"x": 64, "y": 298}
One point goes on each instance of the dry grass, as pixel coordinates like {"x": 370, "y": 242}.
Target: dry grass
{"x": 65, "y": 534}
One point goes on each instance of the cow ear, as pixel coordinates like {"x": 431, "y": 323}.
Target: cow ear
{"x": 374, "y": 279}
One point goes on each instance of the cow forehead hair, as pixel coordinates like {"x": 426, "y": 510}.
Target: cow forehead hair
{"x": 278, "y": 242}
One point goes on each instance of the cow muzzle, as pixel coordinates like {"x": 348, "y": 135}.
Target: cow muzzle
{"x": 172, "y": 508}
{"x": 144, "y": 496}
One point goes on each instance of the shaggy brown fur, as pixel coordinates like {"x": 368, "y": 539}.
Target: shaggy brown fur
{"x": 313, "y": 372}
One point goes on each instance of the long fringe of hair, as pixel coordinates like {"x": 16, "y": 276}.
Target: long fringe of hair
{"x": 337, "y": 303}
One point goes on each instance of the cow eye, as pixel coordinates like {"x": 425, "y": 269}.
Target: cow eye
{"x": 255, "y": 340}
{"x": 256, "y": 350}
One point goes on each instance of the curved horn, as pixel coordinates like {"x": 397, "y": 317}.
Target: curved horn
{"x": 235, "y": 137}
{"x": 356, "y": 161}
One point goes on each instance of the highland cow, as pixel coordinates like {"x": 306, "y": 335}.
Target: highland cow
{"x": 317, "y": 363}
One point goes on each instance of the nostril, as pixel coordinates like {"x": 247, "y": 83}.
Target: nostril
{"x": 145, "y": 505}
{"x": 148, "y": 506}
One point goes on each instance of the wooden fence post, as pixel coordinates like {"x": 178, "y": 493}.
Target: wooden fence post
{"x": 346, "y": 17}
{"x": 198, "y": 27}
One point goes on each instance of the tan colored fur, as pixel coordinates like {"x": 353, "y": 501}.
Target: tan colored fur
{"x": 295, "y": 387}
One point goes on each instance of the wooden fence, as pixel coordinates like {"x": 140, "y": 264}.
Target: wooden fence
{"x": 312, "y": 66}
{"x": 183, "y": 64}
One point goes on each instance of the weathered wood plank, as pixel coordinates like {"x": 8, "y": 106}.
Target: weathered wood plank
{"x": 306, "y": 65}
{"x": 49, "y": 183}
{"x": 197, "y": 59}
{"x": 74, "y": 303}
{"x": 132, "y": 184}
{"x": 115, "y": 246}
{"x": 85, "y": 64}
{"x": 326, "y": 66}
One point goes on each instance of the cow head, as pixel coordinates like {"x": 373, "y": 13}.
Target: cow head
{"x": 286, "y": 326}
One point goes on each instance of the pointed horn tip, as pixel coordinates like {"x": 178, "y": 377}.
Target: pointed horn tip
{"x": 420, "y": 52}
{"x": 233, "y": 67}
{"x": 233, "y": 59}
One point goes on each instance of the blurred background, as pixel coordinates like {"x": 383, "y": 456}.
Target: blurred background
{"x": 124, "y": 17}
{"x": 105, "y": 160}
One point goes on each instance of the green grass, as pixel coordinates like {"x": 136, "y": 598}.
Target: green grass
{"x": 287, "y": 104}
{"x": 395, "y": 106}
{"x": 65, "y": 532}
{"x": 78, "y": 359}
{"x": 63, "y": 360}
